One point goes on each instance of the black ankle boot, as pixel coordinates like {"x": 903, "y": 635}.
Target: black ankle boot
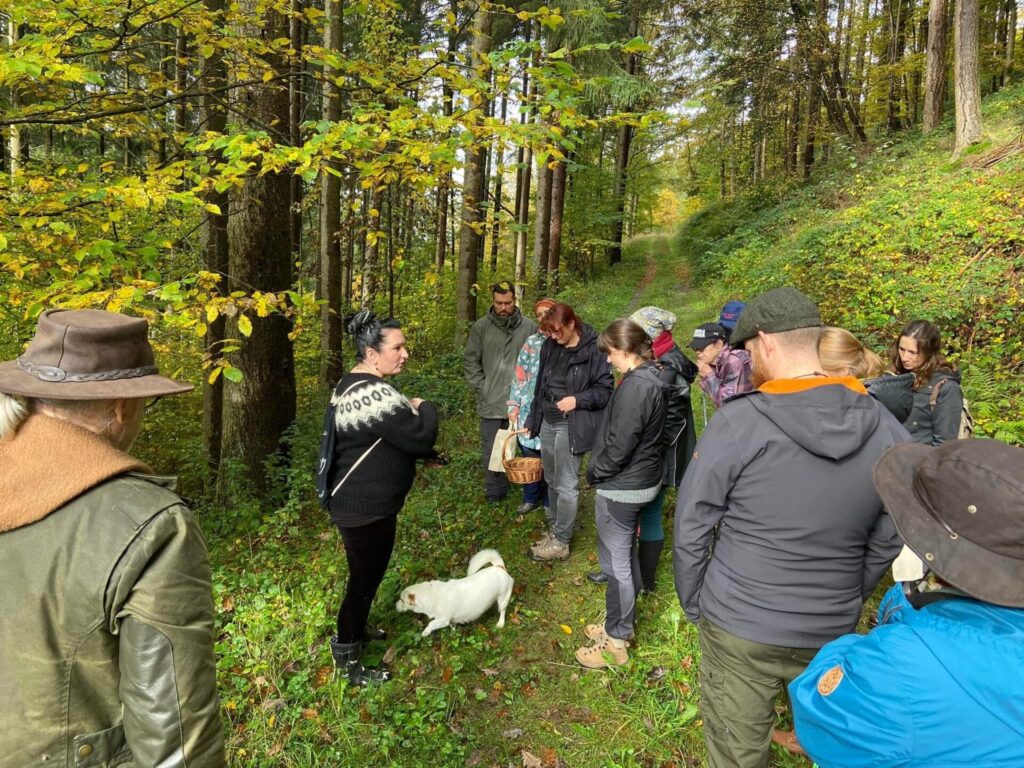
{"x": 346, "y": 657}
{"x": 648, "y": 554}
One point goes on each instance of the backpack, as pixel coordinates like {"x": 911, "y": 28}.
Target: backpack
{"x": 324, "y": 492}
{"x": 966, "y": 430}
{"x": 323, "y": 471}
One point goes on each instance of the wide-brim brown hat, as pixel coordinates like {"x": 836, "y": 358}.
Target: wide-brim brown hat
{"x": 88, "y": 354}
{"x": 960, "y": 508}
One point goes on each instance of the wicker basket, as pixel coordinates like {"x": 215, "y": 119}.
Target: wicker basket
{"x": 520, "y": 470}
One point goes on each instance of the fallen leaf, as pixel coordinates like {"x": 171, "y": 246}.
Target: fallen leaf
{"x": 566, "y": 628}
{"x": 489, "y": 672}
{"x": 687, "y": 663}
{"x": 446, "y": 674}
{"x": 550, "y": 758}
{"x": 389, "y": 655}
{"x": 513, "y": 733}
{"x": 515, "y": 620}
{"x": 656, "y": 674}
{"x": 310, "y": 714}
{"x": 530, "y": 760}
{"x": 577, "y": 581}
{"x": 271, "y": 705}
{"x": 325, "y": 536}
{"x": 323, "y": 674}
{"x": 364, "y": 715}
{"x": 227, "y": 605}
{"x": 474, "y": 759}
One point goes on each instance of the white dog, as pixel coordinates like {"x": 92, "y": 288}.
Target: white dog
{"x": 460, "y": 601}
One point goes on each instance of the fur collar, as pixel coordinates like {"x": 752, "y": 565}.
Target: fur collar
{"x": 48, "y": 462}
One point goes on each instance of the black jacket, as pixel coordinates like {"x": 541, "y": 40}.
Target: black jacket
{"x": 942, "y": 425}
{"x": 895, "y": 391}
{"x": 677, "y": 373}
{"x": 628, "y": 451}
{"x": 589, "y": 380}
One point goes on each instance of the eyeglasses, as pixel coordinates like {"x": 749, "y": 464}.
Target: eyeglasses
{"x": 150, "y": 402}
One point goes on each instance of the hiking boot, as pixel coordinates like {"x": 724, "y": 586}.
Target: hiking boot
{"x": 605, "y": 653}
{"x": 595, "y": 632}
{"x": 526, "y": 507}
{"x": 550, "y": 549}
{"x": 346, "y": 657}
{"x": 597, "y": 577}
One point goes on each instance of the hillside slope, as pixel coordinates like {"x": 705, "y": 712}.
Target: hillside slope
{"x": 905, "y": 233}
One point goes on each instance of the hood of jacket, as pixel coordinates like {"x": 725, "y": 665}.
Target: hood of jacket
{"x": 588, "y": 338}
{"x": 47, "y": 462}
{"x": 828, "y": 416}
{"x": 945, "y": 373}
{"x": 506, "y": 323}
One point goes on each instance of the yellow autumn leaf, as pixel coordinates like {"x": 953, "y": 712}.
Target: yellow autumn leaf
{"x": 201, "y": 330}
{"x": 566, "y": 628}
{"x": 244, "y": 325}
{"x": 211, "y": 313}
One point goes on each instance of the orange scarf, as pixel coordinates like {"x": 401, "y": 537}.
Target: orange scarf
{"x": 47, "y": 462}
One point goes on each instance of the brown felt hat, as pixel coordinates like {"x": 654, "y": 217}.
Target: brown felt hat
{"x": 87, "y": 354}
{"x": 960, "y": 507}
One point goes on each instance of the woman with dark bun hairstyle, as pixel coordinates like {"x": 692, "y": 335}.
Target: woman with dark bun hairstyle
{"x": 378, "y": 435}
{"x": 935, "y": 417}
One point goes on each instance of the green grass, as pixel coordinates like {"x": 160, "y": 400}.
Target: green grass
{"x": 904, "y": 232}
{"x": 471, "y": 695}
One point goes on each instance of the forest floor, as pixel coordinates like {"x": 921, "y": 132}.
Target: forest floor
{"x": 472, "y": 695}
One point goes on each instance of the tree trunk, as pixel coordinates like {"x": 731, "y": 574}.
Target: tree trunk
{"x": 262, "y": 406}
{"x": 444, "y": 183}
{"x": 371, "y": 257}
{"x": 622, "y": 159}
{"x": 524, "y": 179}
{"x": 470, "y": 234}
{"x": 13, "y": 132}
{"x": 967, "y": 88}
{"x": 1011, "y": 40}
{"x": 935, "y": 66}
{"x": 499, "y": 165}
{"x": 558, "y": 179}
{"x": 331, "y": 332}
{"x": 542, "y": 222}
{"x": 813, "y": 107}
{"x": 295, "y": 110}
{"x": 215, "y": 248}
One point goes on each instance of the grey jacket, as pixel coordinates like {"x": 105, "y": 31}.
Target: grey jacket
{"x": 490, "y": 359}
{"x": 106, "y": 643}
{"x": 779, "y": 533}
{"x": 943, "y": 424}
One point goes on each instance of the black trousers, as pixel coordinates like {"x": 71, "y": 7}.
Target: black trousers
{"x": 368, "y": 549}
{"x": 495, "y": 483}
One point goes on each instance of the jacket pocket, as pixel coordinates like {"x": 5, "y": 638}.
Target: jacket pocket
{"x": 103, "y": 748}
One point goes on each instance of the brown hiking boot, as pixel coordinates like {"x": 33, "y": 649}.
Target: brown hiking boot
{"x": 549, "y": 549}
{"x": 595, "y": 632}
{"x": 605, "y": 653}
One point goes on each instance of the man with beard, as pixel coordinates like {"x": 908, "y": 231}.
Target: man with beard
{"x": 488, "y": 363}
{"x": 780, "y": 534}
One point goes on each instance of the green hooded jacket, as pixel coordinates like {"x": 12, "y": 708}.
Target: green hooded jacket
{"x": 490, "y": 359}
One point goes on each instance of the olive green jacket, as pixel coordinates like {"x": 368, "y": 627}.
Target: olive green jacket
{"x": 106, "y": 641}
{"x": 490, "y": 359}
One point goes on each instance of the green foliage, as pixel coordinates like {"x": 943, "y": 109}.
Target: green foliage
{"x": 904, "y": 235}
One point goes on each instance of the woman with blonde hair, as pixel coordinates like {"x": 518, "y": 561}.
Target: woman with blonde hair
{"x": 842, "y": 354}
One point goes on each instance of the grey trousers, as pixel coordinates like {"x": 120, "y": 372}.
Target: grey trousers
{"x": 495, "y": 483}
{"x": 562, "y": 471}
{"x": 616, "y": 541}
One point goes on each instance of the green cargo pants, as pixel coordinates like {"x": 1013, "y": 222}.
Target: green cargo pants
{"x": 739, "y": 680}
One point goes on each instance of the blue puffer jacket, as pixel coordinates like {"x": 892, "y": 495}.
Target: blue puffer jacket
{"x": 940, "y": 686}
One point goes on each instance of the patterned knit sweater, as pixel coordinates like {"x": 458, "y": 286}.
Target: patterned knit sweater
{"x": 378, "y": 437}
